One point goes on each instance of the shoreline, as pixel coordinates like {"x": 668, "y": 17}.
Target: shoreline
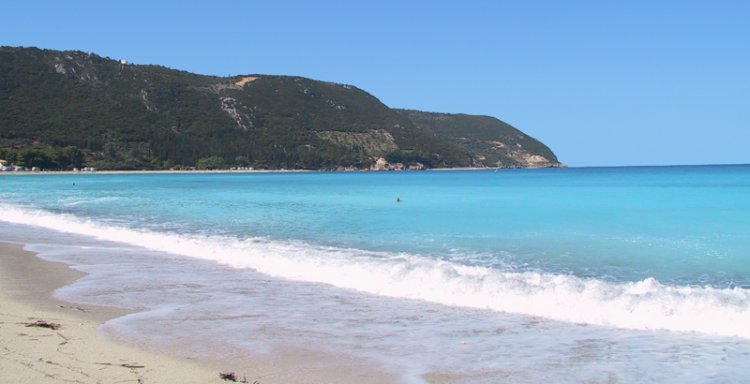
{"x": 75, "y": 352}
{"x": 156, "y": 172}
{"x": 79, "y": 352}
{"x": 229, "y": 171}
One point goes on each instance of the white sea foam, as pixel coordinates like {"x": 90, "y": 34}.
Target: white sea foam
{"x": 76, "y": 201}
{"x": 646, "y": 304}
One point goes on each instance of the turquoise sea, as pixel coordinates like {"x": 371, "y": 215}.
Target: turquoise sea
{"x": 634, "y": 274}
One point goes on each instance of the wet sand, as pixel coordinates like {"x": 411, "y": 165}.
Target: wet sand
{"x": 77, "y": 352}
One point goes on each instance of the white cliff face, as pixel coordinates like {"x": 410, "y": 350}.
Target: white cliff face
{"x": 76, "y": 67}
{"x": 230, "y": 106}
{"x": 150, "y": 106}
{"x": 532, "y": 161}
{"x": 526, "y": 159}
{"x": 517, "y": 154}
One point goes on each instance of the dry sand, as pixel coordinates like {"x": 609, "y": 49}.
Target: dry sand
{"x": 76, "y": 352}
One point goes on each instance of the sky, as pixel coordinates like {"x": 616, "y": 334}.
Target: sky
{"x": 602, "y": 83}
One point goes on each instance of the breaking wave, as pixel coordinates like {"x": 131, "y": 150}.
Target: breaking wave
{"x": 645, "y": 304}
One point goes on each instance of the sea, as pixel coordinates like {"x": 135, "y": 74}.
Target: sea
{"x": 596, "y": 275}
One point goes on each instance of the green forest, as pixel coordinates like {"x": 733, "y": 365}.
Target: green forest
{"x": 68, "y": 109}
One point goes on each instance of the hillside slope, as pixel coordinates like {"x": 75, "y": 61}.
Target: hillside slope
{"x": 492, "y": 142}
{"x": 60, "y": 109}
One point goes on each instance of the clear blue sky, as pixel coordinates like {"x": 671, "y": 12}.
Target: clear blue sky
{"x": 601, "y": 82}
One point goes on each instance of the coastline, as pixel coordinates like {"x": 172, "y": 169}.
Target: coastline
{"x": 78, "y": 352}
{"x": 157, "y": 172}
{"x": 225, "y": 171}
{"x": 251, "y": 171}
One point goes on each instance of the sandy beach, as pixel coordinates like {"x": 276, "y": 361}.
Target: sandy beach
{"x": 76, "y": 352}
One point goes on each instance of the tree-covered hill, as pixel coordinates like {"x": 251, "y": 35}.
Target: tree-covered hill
{"x": 492, "y": 142}
{"x": 64, "y": 109}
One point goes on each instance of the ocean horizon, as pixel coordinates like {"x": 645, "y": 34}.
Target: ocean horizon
{"x": 631, "y": 274}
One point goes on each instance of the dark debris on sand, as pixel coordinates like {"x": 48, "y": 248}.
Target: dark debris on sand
{"x": 44, "y": 324}
{"x": 231, "y": 376}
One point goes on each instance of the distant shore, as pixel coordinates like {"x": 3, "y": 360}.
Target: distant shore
{"x": 224, "y": 171}
{"x": 135, "y": 172}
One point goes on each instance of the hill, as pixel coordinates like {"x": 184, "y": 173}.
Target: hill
{"x": 64, "y": 109}
{"x": 492, "y": 142}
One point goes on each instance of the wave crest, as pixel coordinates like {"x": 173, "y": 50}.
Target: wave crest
{"x": 645, "y": 304}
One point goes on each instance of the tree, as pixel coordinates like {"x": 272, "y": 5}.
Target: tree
{"x": 32, "y": 157}
{"x": 213, "y": 162}
{"x": 241, "y": 161}
{"x": 69, "y": 157}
